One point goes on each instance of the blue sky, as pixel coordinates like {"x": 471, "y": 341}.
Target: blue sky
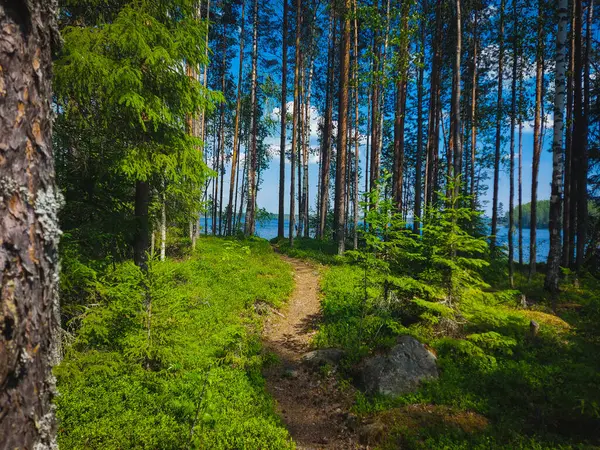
{"x": 268, "y": 195}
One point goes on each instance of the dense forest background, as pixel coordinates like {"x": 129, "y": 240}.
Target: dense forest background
{"x": 392, "y": 136}
{"x": 431, "y": 94}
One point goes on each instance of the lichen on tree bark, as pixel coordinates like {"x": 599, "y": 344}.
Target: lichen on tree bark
{"x": 29, "y": 231}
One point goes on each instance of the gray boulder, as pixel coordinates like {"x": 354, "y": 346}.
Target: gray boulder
{"x": 400, "y": 371}
{"x": 322, "y": 357}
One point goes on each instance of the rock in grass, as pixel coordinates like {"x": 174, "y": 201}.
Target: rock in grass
{"x": 399, "y": 371}
{"x": 322, "y": 357}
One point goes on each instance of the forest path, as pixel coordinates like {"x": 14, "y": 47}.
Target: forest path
{"x": 311, "y": 404}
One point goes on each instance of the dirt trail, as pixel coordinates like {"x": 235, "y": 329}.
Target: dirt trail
{"x": 311, "y": 404}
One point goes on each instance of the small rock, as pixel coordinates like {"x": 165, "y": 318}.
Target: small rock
{"x": 322, "y": 357}
{"x": 401, "y": 370}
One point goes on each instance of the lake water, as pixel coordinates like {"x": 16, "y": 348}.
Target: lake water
{"x": 268, "y": 230}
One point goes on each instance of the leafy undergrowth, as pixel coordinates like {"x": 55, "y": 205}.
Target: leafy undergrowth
{"x": 523, "y": 391}
{"x": 172, "y": 359}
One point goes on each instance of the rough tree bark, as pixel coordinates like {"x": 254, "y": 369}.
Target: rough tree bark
{"x": 340, "y": 173}
{"x": 29, "y": 231}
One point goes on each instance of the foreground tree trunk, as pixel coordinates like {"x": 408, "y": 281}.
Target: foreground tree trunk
{"x": 29, "y": 233}
{"x": 340, "y": 172}
{"x": 553, "y": 272}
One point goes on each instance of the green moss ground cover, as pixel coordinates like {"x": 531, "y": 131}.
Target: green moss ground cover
{"x": 520, "y": 391}
{"x": 156, "y": 356}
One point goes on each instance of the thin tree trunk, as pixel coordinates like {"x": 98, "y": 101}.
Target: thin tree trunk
{"x": 340, "y": 176}
{"x": 570, "y": 182}
{"x": 251, "y": 208}
{"x": 537, "y": 142}
{"x": 301, "y": 137}
{"x": 520, "y": 183}
{"x": 401, "y": 83}
{"x": 282, "y": 157}
{"x": 474, "y": 79}
{"x": 327, "y": 127}
{"x": 163, "y": 224}
{"x": 513, "y": 118}
{"x": 29, "y": 228}
{"x": 236, "y": 138}
{"x": 583, "y": 210}
{"x": 456, "y": 94}
{"x": 579, "y": 191}
{"x": 499, "y": 108}
{"x": 307, "y": 147}
{"x": 419, "y": 162}
{"x": 295, "y": 120}
{"x": 205, "y": 74}
{"x": 553, "y": 272}
{"x": 356, "y": 125}
{"x": 434, "y": 111}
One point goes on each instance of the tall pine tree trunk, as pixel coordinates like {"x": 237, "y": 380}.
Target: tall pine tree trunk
{"x": 513, "y": 118}
{"x": 251, "y": 208}
{"x": 307, "y": 148}
{"x": 236, "y": 132}
{"x": 499, "y": 115}
{"x": 553, "y": 271}
{"x": 474, "y": 81}
{"x": 537, "y": 141}
{"x": 456, "y": 94}
{"x": 419, "y": 162}
{"x": 281, "y": 216}
{"x": 433, "y": 141}
{"x": 295, "y": 120}
{"x": 326, "y": 136}
{"x": 399, "y": 120}
{"x": 356, "y": 125}
{"x": 29, "y": 233}
{"x": 340, "y": 172}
